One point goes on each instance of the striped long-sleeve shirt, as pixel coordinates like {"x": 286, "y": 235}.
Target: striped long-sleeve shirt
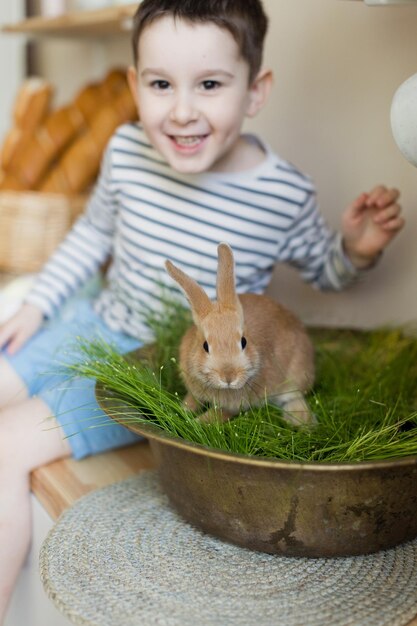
{"x": 142, "y": 212}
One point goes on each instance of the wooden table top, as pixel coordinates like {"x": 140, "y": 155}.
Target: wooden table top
{"x": 58, "y": 485}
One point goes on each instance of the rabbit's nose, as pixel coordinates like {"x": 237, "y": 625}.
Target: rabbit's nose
{"x": 229, "y": 377}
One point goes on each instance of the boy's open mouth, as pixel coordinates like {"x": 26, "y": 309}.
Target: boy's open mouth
{"x": 189, "y": 141}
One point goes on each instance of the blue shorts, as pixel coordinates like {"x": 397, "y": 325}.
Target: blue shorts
{"x": 72, "y": 401}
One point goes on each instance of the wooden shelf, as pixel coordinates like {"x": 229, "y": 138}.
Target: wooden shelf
{"x": 97, "y": 23}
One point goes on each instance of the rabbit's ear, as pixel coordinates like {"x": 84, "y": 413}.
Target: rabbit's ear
{"x": 226, "y": 290}
{"x": 200, "y": 302}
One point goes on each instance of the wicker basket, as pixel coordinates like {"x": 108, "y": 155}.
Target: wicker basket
{"x": 32, "y": 224}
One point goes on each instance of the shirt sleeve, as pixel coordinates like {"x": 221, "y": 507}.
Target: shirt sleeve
{"x": 88, "y": 244}
{"x": 316, "y": 251}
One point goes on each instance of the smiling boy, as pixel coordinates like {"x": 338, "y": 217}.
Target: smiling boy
{"x": 173, "y": 186}
{"x": 194, "y": 93}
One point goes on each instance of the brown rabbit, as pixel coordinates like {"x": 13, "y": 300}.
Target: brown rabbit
{"x": 242, "y": 350}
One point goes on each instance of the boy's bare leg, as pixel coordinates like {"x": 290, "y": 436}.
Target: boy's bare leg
{"x": 26, "y": 442}
{"x": 12, "y": 388}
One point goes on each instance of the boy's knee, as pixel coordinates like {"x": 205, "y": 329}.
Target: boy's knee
{"x": 10, "y": 442}
{"x": 12, "y": 387}
{"x": 26, "y": 439}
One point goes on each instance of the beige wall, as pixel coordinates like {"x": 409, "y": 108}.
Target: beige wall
{"x": 337, "y": 65}
{"x": 11, "y": 62}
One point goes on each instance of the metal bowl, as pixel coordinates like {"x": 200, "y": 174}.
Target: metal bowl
{"x": 292, "y": 509}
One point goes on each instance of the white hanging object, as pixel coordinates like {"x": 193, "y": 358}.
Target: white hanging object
{"x": 381, "y": 3}
{"x": 404, "y": 119}
{"x": 90, "y": 5}
{"x": 53, "y": 8}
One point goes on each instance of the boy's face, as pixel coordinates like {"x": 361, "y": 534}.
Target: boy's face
{"x": 192, "y": 90}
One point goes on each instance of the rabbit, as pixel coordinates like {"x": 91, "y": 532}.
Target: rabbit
{"x": 243, "y": 350}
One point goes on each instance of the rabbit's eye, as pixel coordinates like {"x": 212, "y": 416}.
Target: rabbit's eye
{"x": 206, "y": 346}
{"x": 243, "y": 342}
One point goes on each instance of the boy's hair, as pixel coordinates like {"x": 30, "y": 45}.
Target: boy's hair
{"x": 244, "y": 19}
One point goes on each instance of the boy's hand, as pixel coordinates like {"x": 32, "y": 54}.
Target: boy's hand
{"x": 19, "y": 328}
{"x": 369, "y": 224}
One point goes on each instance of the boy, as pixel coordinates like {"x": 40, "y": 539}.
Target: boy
{"x": 173, "y": 186}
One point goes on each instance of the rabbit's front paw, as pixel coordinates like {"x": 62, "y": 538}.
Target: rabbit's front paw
{"x": 295, "y": 408}
{"x": 190, "y": 403}
{"x": 214, "y": 415}
{"x": 297, "y": 412}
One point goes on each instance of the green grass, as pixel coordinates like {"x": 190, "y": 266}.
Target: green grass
{"x": 365, "y": 396}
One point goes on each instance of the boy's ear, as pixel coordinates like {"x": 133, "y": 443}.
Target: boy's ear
{"x": 259, "y": 91}
{"x": 132, "y": 79}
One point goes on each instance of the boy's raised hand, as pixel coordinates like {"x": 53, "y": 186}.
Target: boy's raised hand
{"x": 20, "y": 327}
{"x": 369, "y": 224}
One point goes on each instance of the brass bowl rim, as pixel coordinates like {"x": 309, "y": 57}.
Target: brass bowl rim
{"x": 154, "y": 432}
{"x": 151, "y": 431}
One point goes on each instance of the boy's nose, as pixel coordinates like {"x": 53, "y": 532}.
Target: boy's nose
{"x": 183, "y": 110}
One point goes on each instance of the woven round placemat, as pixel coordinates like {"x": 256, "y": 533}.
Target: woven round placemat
{"x": 121, "y": 556}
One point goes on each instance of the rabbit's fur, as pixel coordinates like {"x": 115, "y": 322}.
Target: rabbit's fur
{"x": 258, "y": 351}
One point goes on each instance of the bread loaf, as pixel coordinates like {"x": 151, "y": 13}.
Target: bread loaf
{"x": 30, "y": 109}
{"x": 94, "y": 96}
{"x": 10, "y": 183}
{"x": 80, "y": 164}
{"x": 89, "y": 100}
{"x": 14, "y": 140}
{"x": 30, "y": 164}
{"x": 115, "y": 81}
{"x": 76, "y": 170}
{"x": 32, "y": 103}
{"x": 61, "y": 151}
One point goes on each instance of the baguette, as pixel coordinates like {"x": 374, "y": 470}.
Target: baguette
{"x": 88, "y": 101}
{"x": 94, "y": 96}
{"x": 30, "y": 164}
{"x": 32, "y": 103}
{"x": 79, "y": 166}
{"x": 16, "y": 139}
{"x": 76, "y": 170}
{"x": 62, "y": 153}
{"x": 10, "y": 183}
{"x": 30, "y": 109}
{"x": 115, "y": 81}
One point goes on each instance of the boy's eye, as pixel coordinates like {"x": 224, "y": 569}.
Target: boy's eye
{"x": 160, "y": 84}
{"x": 209, "y": 85}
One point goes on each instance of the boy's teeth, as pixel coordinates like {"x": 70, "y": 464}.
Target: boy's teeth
{"x": 186, "y": 141}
